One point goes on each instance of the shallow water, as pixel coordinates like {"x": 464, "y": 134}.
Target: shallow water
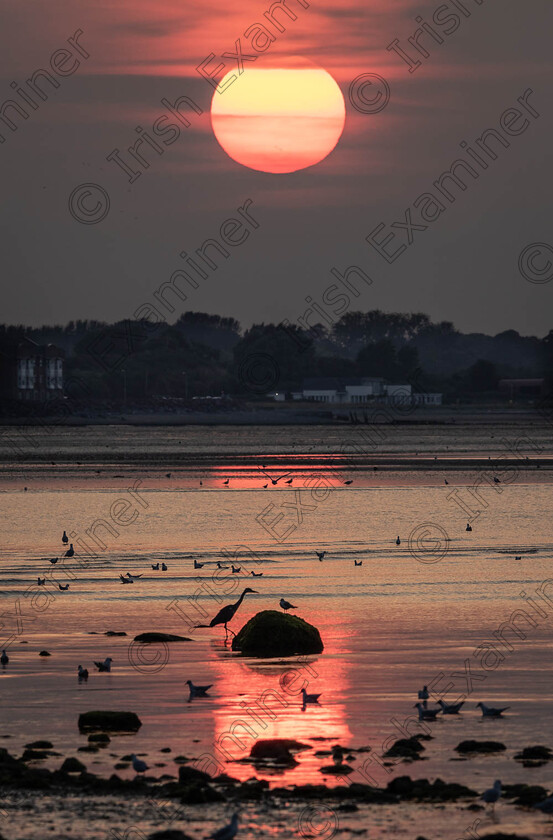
{"x": 409, "y": 614}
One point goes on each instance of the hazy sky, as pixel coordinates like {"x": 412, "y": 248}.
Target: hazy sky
{"x": 132, "y": 54}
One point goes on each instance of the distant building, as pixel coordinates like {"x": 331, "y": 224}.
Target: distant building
{"x": 363, "y": 391}
{"x": 523, "y": 388}
{"x": 29, "y": 371}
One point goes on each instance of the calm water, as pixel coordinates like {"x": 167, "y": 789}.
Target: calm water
{"x": 389, "y": 626}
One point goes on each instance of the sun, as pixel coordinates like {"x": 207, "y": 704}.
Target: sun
{"x": 278, "y": 119}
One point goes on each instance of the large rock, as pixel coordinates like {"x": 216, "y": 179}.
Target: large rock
{"x": 272, "y": 633}
{"x": 109, "y": 722}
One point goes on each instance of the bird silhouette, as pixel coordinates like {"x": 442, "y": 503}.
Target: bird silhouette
{"x": 496, "y": 480}
{"x": 489, "y": 711}
{"x": 4, "y": 659}
{"x": 70, "y": 551}
{"x": 41, "y": 581}
{"x": 63, "y": 588}
{"x": 220, "y": 565}
{"x": 275, "y": 481}
{"x": 491, "y": 795}
{"x": 469, "y": 527}
{"x": 290, "y": 480}
{"x": 426, "y": 714}
{"x": 82, "y": 673}
{"x": 198, "y": 565}
{"x": 65, "y": 538}
{"x": 398, "y": 541}
{"x": 235, "y": 569}
{"x": 54, "y": 560}
{"x": 286, "y": 605}
{"x": 198, "y": 690}
{"x": 124, "y": 579}
{"x": 227, "y": 613}
{"x": 163, "y": 567}
{"x": 450, "y": 708}
{"x": 358, "y": 562}
{"x": 309, "y": 698}
{"x": 226, "y": 482}
{"x": 227, "y": 832}
{"x": 104, "y": 666}
{"x": 257, "y": 574}
{"x": 446, "y": 481}
{"x": 320, "y": 555}
{"x": 348, "y": 482}
{"x": 155, "y": 566}
{"x": 133, "y": 577}
{"x": 138, "y": 765}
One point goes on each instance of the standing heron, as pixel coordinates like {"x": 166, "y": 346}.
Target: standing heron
{"x": 226, "y": 614}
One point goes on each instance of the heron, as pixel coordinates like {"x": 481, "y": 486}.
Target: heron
{"x": 286, "y": 605}
{"x": 227, "y": 613}
{"x": 65, "y": 538}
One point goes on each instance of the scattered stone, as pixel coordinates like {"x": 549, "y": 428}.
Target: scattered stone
{"x": 406, "y": 788}
{"x": 110, "y": 721}
{"x": 166, "y": 749}
{"x": 480, "y": 747}
{"x": 272, "y": 633}
{"x": 114, "y": 633}
{"x": 34, "y": 755}
{"x": 44, "y": 653}
{"x": 99, "y": 738}
{"x": 160, "y": 637}
{"x": 39, "y": 745}
{"x": 181, "y": 759}
{"x": 72, "y": 765}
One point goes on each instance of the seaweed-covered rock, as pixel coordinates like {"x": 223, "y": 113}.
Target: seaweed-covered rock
{"x": 526, "y": 795}
{"x": 72, "y": 765}
{"x": 188, "y": 775}
{"x": 160, "y": 637}
{"x": 39, "y": 745}
{"x": 534, "y": 756}
{"x": 272, "y": 633}
{"x": 480, "y": 747}
{"x": 99, "y": 738}
{"x": 44, "y": 653}
{"x": 110, "y": 721}
{"x": 34, "y": 755}
{"x": 408, "y": 748}
{"x": 277, "y": 750}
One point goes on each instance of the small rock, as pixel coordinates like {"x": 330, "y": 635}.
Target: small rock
{"x": 190, "y": 774}
{"x": 408, "y": 748}
{"x": 538, "y": 753}
{"x": 160, "y": 637}
{"x": 39, "y": 745}
{"x": 272, "y": 633}
{"x": 166, "y": 749}
{"x": 99, "y": 737}
{"x": 114, "y": 633}
{"x": 336, "y": 769}
{"x": 480, "y": 747}
{"x": 72, "y": 765}
{"x": 277, "y": 750}
{"x": 34, "y": 755}
{"x": 110, "y": 721}
{"x": 44, "y": 653}
{"x": 169, "y": 834}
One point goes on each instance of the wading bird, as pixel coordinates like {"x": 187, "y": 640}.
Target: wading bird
{"x": 451, "y": 708}
{"x": 70, "y": 551}
{"x": 155, "y": 566}
{"x": 227, "y": 832}
{"x": 65, "y": 538}
{"x": 491, "y": 795}
{"x": 198, "y": 690}
{"x": 82, "y": 673}
{"x": 426, "y": 714}
{"x": 105, "y": 665}
{"x": 489, "y": 711}
{"x": 125, "y": 579}
{"x": 138, "y": 765}
{"x": 4, "y": 659}
{"x": 257, "y": 574}
{"x": 320, "y": 554}
{"x": 198, "y": 565}
{"x": 226, "y": 614}
{"x": 63, "y": 588}
{"x": 286, "y": 605}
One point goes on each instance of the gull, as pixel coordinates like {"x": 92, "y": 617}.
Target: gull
{"x": 65, "y": 538}
{"x": 125, "y": 580}
{"x": 228, "y": 831}
{"x": 257, "y": 574}
{"x": 4, "y": 659}
{"x": 265, "y": 486}
{"x": 83, "y": 673}
{"x": 426, "y": 714}
{"x": 309, "y": 698}
{"x": 227, "y": 613}
{"x": 488, "y": 711}
{"x": 105, "y": 665}
{"x": 320, "y": 554}
{"x": 226, "y": 482}
{"x": 451, "y": 708}
{"x": 138, "y": 765}
{"x": 198, "y": 565}
{"x": 133, "y": 577}
{"x": 63, "y": 588}
{"x": 53, "y": 561}
{"x": 286, "y": 605}
{"x": 424, "y": 695}
{"x": 491, "y": 795}
{"x": 220, "y": 565}
{"x": 235, "y": 570}
{"x": 163, "y": 567}
{"x": 357, "y": 562}
{"x": 546, "y": 806}
{"x": 41, "y": 581}
{"x": 398, "y": 541}
{"x": 198, "y": 690}
{"x": 155, "y": 566}
{"x": 469, "y": 527}
{"x": 70, "y": 551}
{"x": 290, "y": 480}
{"x": 276, "y": 480}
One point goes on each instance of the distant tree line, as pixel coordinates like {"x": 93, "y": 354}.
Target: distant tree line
{"x": 202, "y": 354}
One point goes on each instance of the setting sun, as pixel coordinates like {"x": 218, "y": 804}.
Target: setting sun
{"x": 278, "y": 120}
